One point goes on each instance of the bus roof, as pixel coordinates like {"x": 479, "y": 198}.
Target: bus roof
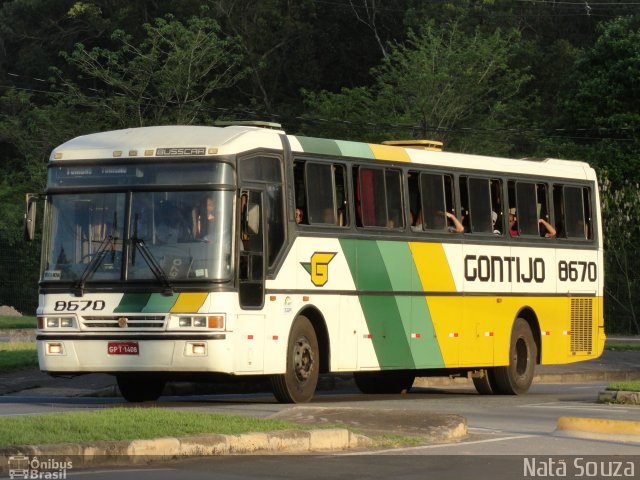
{"x": 187, "y": 141}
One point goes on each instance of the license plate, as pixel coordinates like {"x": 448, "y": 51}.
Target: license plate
{"x": 123, "y": 348}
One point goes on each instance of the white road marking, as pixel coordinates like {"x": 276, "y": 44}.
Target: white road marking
{"x": 440, "y": 445}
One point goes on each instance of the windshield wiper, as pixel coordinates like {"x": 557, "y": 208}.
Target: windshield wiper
{"x": 153, "y": 265}
{"x": 95, "y": 263}
{"x": 149, "y": 259}
{"x": 99, "y": 256}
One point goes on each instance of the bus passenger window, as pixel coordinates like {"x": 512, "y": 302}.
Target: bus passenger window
{"x": 588, "y": 219}
{"x": 573, "y": 211}
{"x": 300, "y": 199}
{"x": 545, "y": 228}
{"x": 526, "y": 201}
{"x": 321, "y": 194}
{"x": 497, "y": 219}
{"x": 378, "y": 197}
{"x": 394, "y": 199}
{"x": 481, "y": 205}
{"x": 437, "y": 201}
{"x": 416, "y": 221}
{"x": 320, "y": 198}
{"x": 342, "y": 203}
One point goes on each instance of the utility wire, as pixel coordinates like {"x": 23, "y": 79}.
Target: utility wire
{"x": 582, "y": 134}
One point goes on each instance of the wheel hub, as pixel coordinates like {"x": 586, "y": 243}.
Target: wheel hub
{"x": 303, "y": 359}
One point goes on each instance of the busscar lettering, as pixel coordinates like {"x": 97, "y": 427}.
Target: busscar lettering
{"x": 180, "y": 151}
{"x": 486, "y": 268}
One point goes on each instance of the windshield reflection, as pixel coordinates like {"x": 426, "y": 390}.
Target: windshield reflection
{"x": 173, "y": 237}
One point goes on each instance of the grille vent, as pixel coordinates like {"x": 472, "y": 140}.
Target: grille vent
{"x": 581, "y": 326}
{"x": 155, "y": 322}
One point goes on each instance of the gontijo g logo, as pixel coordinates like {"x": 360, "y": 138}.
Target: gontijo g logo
{"x": 318, "y": 268}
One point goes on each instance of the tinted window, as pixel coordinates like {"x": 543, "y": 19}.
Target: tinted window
{"x": 267, "y": 170}
{"x": 379, "y": 198}
{"x": 437, "y": 195}
{"x": 480, "y": 205}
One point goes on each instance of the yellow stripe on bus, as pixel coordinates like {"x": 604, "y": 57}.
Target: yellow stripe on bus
{"x": 476, "y": 331}
{"x": 386, "y": 152}
{"x": 189, "y": 302}
{"x": 433, "y": 267}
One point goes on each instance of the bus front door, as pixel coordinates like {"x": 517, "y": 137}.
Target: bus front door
{"x": 251, "y": 261}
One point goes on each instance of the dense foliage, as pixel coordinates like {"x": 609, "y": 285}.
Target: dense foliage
{"x": 501, "y": 77}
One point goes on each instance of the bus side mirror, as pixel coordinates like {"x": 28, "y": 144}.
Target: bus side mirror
{"x": 30, "y": 217}
{"x": 253, "y": 219}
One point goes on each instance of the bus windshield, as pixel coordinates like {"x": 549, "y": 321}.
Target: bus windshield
{"x": 169, "y": 236}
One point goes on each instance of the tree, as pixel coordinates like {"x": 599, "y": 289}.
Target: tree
{"x": 169, "y": 77}
{"x": 441, "y": 80}
{"x": 621, "y": 210}
{"x": 604, "y": 104}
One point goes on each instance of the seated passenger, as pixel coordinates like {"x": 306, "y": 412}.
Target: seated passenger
{"x": 550, "y": 231}
{"x": 457, "y": 224}
{"x": 513, "y": 224}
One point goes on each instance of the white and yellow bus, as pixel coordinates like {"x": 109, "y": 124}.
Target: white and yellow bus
{"x": 176, "y": 252}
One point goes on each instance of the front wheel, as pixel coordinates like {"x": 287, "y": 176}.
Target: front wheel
{"x": 298, "y": 383}
{"x": 136, "y": 388}
{"x": 516, "y": 378}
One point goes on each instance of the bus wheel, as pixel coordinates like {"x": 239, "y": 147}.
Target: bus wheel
{"x": 136, "y": 388}
{"x": 299, "y": 382}
{"x": 389, "y": 381}
{"x": 484, "y": 383}
{"x": 516, "y": 378}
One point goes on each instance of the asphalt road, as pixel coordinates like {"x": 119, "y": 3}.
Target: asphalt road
{"x": 489, "y": 417}
{"x": 504, "y": 431}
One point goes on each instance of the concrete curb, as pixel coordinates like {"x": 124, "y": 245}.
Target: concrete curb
{"x": 619, "y": 396}
{"x": 162, "y": 449}
{"x": 599, "y": 428}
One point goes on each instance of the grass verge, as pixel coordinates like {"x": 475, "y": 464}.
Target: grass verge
{"x": 620, "y": 346}
{"x": 17, "y": 356}
{"x": 7, "y": 323}
{"x": 126, "y": 423}
{"x": 630, "y": 386}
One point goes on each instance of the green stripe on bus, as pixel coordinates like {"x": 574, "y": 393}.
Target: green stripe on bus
{"x": 319, "y": 145}
{"x": 355, "y": 149}
{"x": 159, "y": 303}
{"x": 414, "y": 311}
{"x": 401, "y": 328}
{"x": 382, "y": 312}
{"x": 132, "y": 302}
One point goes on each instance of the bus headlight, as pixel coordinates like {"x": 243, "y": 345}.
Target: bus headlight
{"x": 200, "y": 322}
{"x": 67, "y": 322}
{"x": 56, "y": 322}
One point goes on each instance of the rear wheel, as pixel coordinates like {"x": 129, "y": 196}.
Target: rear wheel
{"x": 298, "y": 383}
{"x": 136, "y": 388}
{"x": 389, "y": 381}
{"x": 516, "y": 378}
{"x": 484, "y": 382}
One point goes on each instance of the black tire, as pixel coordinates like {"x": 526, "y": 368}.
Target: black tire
{"x": 385, "y": 382}
{"x": 136, "y": 388}
{"x": 299, "y": 382}
{"x": 516, "y": 378}
{"x": 485, "y": 385}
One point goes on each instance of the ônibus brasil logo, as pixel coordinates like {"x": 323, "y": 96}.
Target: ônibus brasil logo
{"x": 318, "y": 267}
